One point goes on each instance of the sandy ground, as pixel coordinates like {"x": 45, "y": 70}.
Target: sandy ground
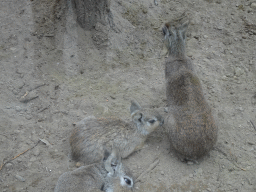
{"x": 53, "y": 73}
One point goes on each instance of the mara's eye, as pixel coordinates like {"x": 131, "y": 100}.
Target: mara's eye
{"x": 163, "y": 30}
{"x": 152, "y": 121}
{"x": 127, "y": 181}
{"x": 140, "y": 118}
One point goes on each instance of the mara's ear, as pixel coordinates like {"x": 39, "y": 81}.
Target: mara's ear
{"x": 184, "y": 26}
{"x": 113, "y": 161}
{"x": 134, "y": 106}
{"x": 183, "y": 29}
{"x": 106, "y": 154}
{"x": 137, "y": 117}
{"x": 165, "y": 31}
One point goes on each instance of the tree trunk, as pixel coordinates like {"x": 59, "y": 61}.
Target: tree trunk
{"x": 89, "y": 12}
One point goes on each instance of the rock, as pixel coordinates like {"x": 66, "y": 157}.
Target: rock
{"x": 219, "y": 27}
{"x": 28, "y": 117}
{"x": 253, "y": 5}
{"x": 78, "y": 164}
{"x": 20, "y": 178}
{"x": 8, "y": 165}
{"x": 190, "y": 163}
{"x": 45, "y": 141}
{"x": 32, "y": 159}
{"x": 18, "y": 108}
{"x": 189, "y": 54}
{"x": 191, "y": 175}
{"x": 238, "y": 71}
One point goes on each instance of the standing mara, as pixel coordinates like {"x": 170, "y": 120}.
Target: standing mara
{"x": 190, "y": 125}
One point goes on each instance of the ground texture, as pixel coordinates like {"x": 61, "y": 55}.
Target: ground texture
{"x": 54, "y": 73}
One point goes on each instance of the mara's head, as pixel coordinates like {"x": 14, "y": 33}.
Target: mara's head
{"x": 119, "y": 177}
{"x": 147, "y": 120}
{"x": 175, "y": 37}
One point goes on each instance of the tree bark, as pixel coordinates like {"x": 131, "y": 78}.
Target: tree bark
{"x": 89, "y": 12}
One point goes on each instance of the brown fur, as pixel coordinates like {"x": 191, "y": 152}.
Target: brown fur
{"x": 190, "y": 124}
{"x": 108, "y": 175}
{"x": 90, "y": 135}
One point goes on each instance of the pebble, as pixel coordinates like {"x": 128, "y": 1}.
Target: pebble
{"x": 253, "y": 5}
{"x": 250, "y": 62}
{"x": 18, "y": 108}
{"x": 45, "y": 141}
{"x": 78, "y": 164}
{"x": 189, "y": 54}
{"x": 191, "y": 175}
{"x": 8, "y": 165}
{"x": 32, "y": 159}
{"x": 20, "y": 178}
{"x": 238, "y": 71}
{"x": 162, "y": 173}
{"x": 28, "y": 117}
{"x": 190, "y": 163}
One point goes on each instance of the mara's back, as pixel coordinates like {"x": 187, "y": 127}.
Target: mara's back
{"x": 190, "y": 124}
{"x": 91, "y": 134}
{"x": 88, "y": 138}
{"x": 86, "y": 178}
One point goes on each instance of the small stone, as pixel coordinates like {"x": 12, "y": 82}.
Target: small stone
{"x": 32, "y": 159}
{"x": 253, "y": 5}
{"x": 78, "y": 164}
{"x": 8, "y": 165}
{"x": 144, "y": 10}
{"x": 238, "y": 71}
{"x": 191, "y": 175}
{"x": 208, "y": 189}
{"x": 20, "y": 178}
{"x": 28, "y": 117}
{"x": 190, "y": 163}
{"x": 220, "y": 27}
{"x": 45, "y": 141}
{"x": 18, "y": 108}
{"x": 166, "y": 109}
{"x": 15, "y": 92}
{"x": 189, "y": 54}
{"x": 162, "y": 173}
